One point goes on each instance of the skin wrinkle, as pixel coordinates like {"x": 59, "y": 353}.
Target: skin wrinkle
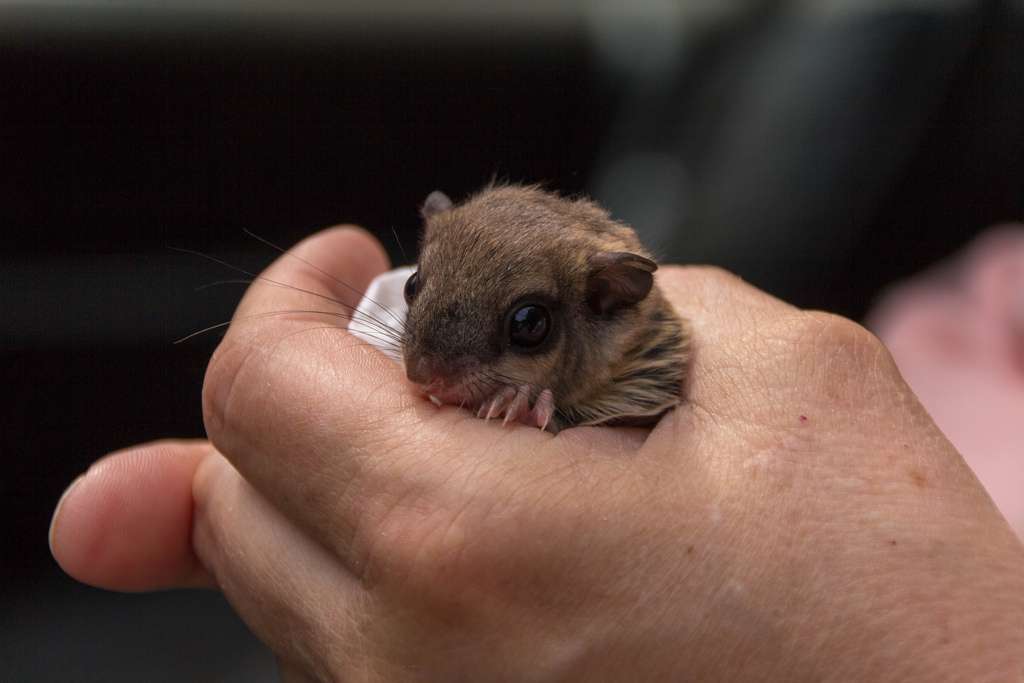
{"x": 223, "y": 407}
{"x": 234, "y": 501}
{"x": 471, "y": 479}
{"x": 428, "y": 505}
{"x": 453, "y": 536}
{"x": 362, "y": 491}
{"x": 885, "y": 615}
{"x": 328, "y": 366}
{"x": 473, "y": 493}
{"x": 498, "y": 534}
{"x": 377, "y": 397}
{"x": 376, "y": 547}
{"x": 860, "y": 590}
{"x": 809, "y": 333}
{"x": 481, "y": 516}
{"x": 371, "y": 563}
{"x": 848, "y": 345}
{"x": 210, "y": 544}
{"x": 771, "y": 571}
{"x": 699, "y": 627}
{"x": 222, "y": 376}
{"x": 679, "y": 428}
{"x": 304, "y": 419}
{"x": 198, "y": 568}
{"x": 544, "y": 489}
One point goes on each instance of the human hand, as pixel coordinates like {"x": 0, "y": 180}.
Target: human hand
{"x": 800, "y": 517}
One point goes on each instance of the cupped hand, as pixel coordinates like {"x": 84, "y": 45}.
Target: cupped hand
{"x": 800, "y": 517}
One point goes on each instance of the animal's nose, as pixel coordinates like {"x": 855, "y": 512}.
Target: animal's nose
{"x": 424, "y": 369}
{"x": 417, "y": 370}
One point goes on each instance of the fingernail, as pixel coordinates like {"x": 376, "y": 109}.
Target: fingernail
{"x": 60, "y": 505}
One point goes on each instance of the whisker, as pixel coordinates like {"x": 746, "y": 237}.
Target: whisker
{"x": 381, "y": 324}
{"x": 320, "y": 270}
{"x": 255, "y": 316}
{"x": 405, "y": 257}
{"x": 500, "y": 378}
{"x": 219, "y": 283}
{"x": 261, "y": 278}
{"x": 211, "y": 328}
{"x": 489, "y": 381}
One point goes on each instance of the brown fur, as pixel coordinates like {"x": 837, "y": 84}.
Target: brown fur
{"x": 479, "y": 258}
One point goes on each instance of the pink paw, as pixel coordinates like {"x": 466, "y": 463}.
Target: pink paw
{"x": 543, "y": 409}
{"x": 514, "y": 406}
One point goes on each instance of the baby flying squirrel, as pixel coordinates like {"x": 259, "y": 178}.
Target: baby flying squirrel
{"x": 542, "y": 310}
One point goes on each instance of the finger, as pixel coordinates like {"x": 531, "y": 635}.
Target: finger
{"x": 292, "y": 320}
{"x": 758, "y": 361}
{"x": 289, "y": 589}
{"x": 717, "y": 303}
{"x": 126, "y": 523}
{"x": 280, "y": 387}
{"x": 722, "y": 313}
{"x": 316, "y": 285}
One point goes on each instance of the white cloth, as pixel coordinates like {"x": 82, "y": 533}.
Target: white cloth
{"x": 383, "y": 304}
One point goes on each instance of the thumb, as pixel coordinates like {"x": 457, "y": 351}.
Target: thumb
{"x": 126, "y": 524}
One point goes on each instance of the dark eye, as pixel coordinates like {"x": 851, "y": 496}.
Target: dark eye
{"x": 529, "y": 326}
{"x": 412, "y": 285}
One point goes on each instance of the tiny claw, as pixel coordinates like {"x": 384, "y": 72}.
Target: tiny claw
{"x": 486, "y": 411}
{"x": 492, "y": 411}
{"x": 519, "y": 406}
{"x": 544, "y": 409}
{"x": 500, "y": 400}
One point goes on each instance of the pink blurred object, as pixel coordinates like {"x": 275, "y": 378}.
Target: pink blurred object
{"x": 957, "y": 334}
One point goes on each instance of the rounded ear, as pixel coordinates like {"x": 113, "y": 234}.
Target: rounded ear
{"x": 618, "y": 279}
{"x": 435, "y": 203}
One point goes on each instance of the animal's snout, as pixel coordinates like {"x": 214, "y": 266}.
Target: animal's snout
{"x": 418, "y": 370}
{"x": 426, "y": 370}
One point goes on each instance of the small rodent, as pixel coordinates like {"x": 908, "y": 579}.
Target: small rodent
{"x": 540, "y": 309}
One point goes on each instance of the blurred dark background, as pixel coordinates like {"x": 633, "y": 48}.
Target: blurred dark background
{"x": 820, "y": 149}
